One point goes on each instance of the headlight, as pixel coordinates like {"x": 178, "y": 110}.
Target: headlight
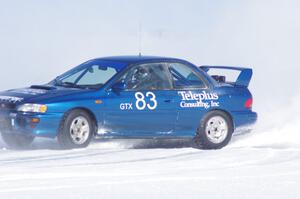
{"x": 34, "y": 108}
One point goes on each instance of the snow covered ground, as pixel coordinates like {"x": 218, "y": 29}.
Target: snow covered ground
{"x": 113, "y": 170}
{"x": 262, "y": 164}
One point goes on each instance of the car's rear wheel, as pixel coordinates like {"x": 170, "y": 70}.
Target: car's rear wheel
{"x": 17, "y": 141}
{"x": 215, "y": 131}
{"x": 76, "y": 130}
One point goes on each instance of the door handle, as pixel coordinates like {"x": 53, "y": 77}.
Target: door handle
{"x": 168, "y": 100}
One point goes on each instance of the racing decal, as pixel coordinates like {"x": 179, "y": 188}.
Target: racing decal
{"x": 141, "y": 103}
{"x": 11, "y": 99}
{"x": 205, "y": 100}
{"x": 29, "y": 91}
{"x": 126, "y": 106}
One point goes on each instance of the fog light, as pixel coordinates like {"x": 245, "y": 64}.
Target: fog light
{"x": 35, "y": 120}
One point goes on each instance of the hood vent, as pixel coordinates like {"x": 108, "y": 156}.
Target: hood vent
{"x": 44, "y": 87}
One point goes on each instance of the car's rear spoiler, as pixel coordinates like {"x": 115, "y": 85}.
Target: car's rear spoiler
{"x": 243, "y": 78}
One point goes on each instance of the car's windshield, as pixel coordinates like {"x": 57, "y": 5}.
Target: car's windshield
{"x": 89, "y": 75}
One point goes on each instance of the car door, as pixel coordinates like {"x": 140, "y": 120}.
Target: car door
{"x": 143, "y": 106}
{"x": 193, "y": 98}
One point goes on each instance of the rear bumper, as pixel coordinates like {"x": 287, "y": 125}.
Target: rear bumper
{"x": 244, "y": 119}
{"x": 21, "y": 123}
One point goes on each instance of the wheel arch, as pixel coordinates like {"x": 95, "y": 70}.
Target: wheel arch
{"x": 89, "y": 112}
{"x": 226, "y": 112}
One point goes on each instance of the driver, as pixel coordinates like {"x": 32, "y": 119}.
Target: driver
{"x": 140, "y": 78}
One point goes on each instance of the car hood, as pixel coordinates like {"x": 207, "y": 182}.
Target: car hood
{"x": 36, "y": 94}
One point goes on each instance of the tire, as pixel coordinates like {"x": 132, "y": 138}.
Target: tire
{"x": 17, "y": 141}
{"x": 215, "y": 131}
{"x": 76, "y": 130}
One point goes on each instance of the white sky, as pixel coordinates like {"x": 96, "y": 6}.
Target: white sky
{"x": 41, "y": 39}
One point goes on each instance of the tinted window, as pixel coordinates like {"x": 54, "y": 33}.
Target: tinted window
{"x": 154, "y": 76}
{"x": 93, "y": 76}
{"x": 97, "y": 75}
{"x": 184, "y": 76}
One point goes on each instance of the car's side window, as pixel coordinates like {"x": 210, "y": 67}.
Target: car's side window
{"x": 152, "y": 76}
{"x": 184, "y": 76}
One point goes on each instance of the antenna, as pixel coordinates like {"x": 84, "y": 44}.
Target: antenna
{"x": 140, "y": 39}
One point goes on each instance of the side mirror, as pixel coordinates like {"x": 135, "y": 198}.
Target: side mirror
{"x": 120, "y": 86}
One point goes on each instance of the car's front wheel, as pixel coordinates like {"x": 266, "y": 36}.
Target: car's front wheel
{"x": 17, "y": 141}
{"x": 76, "y": 130}
{"x": 215, "y": 131}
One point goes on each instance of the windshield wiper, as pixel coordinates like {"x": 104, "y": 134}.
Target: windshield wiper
{"x": 58, "y": 82}
{"x": 70, "y": 84}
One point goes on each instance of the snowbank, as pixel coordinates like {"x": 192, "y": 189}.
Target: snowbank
{"x": 278, "y": 127}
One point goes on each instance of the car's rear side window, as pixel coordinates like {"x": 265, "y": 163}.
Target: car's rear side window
{"x": 185, "y": 77}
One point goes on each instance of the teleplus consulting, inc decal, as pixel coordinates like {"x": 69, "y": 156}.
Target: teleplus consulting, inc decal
{"x": 206, "y": 100}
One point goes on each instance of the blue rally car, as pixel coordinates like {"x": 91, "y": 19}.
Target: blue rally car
{"x": 130, "y": 97}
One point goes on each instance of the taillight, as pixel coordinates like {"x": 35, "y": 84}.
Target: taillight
{"x": 248, "y": 103}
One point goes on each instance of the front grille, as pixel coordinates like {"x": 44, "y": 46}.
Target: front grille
{"x": 21, "y": 122}
{"x": 7, "y": 106}
{"x": 5, "y": 124}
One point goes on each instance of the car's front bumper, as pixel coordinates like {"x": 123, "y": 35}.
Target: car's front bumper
{"x": 43, "y": 125}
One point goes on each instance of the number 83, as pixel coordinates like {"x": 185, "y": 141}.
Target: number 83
{"x": 141, "y": 104}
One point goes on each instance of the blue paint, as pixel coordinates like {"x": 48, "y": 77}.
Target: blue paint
{"x": 177, "y": 113}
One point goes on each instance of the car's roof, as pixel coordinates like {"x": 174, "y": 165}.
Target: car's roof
{"x": 137, "y": 58}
